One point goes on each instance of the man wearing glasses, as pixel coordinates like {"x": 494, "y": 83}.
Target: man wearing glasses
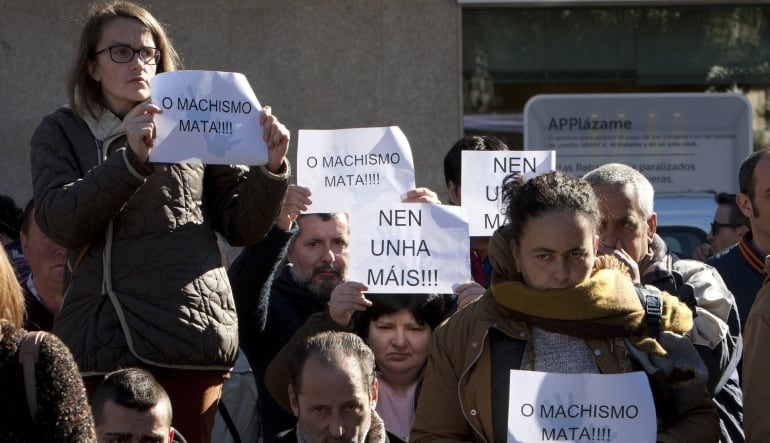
{"x": 727, "y": 228}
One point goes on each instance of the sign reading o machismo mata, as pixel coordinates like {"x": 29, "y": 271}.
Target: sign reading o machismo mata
{"x": 346, "y": 168}
{"x": 680, "y": 142}
{"x": 207, "y": 117}
{"x": 545, "y": 407}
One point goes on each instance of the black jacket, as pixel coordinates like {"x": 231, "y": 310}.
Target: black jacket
{"x": 271, "y": 307}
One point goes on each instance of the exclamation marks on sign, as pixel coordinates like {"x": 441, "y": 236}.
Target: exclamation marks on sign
{"x": 371, "y": 179}
{"x": 600, "y": 434}
{"x": 430, "y": 277}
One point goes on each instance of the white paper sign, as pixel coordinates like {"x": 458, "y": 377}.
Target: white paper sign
{"x": 580, "y": 408}
{"x": 414, "y": 248}
{"x": 346, "y": 168}
{"x": 208, "y": 117}
{"x": 482, "y": 177}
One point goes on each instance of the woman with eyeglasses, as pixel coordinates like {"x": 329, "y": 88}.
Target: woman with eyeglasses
{"x": 145, "y": 285}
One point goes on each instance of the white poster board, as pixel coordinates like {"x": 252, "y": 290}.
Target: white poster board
{"x": 680, "y": 142}
{"x": 482, "y": 177}
{"x": 346, "y": 168}
{"x": 207, "y": 117}
{"x": 580, "y": 408}
{"x": 414, "y": 248}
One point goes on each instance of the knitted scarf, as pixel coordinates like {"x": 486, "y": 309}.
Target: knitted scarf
{"x": 604, "y": 306}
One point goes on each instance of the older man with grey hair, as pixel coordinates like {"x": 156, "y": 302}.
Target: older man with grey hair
{"x": 628, "y": 232}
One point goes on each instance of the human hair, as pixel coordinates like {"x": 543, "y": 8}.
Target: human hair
{"x": 85, "y": 93}
{"x": 331, "y": 348}
{"x": 132, "y": 388}
{"x": 11, "y": 295}
{"x": 746, "y": 178}
{"x": 427, "y": 309}
{"x": 552, "y": 191}
{"x": 10, "y": 215}
{"x": 26, "y": 216}
{"x": 736, "y": 216}
{"x": 453, "y": 158}
{"x": 620, "y": 174}
{"x": 324, "y": 216}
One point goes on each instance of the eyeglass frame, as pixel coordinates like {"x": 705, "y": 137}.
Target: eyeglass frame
{"x": 136, "y": 53}
{"x": 715, "y": 226}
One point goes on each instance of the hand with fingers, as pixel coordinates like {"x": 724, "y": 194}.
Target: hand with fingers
{"x": 621, "y": 254}
{"x": 467, "y": 292}
{"x": 346, "y": 299}
{"x": 420, "y": 195}
{"x": 277, "y": 138}
{"x": 296, "y": 201}
{"x": 140, "y": 130}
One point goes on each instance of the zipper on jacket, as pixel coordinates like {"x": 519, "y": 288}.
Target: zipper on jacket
{"x": 459, "y": 385}
{"x": 99, "y": 153}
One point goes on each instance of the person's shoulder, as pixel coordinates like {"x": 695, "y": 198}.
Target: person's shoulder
{"x": 724, "y": 256}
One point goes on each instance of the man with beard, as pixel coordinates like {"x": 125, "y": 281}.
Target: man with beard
{"x": 273, "y": 299}
{"x": 333, "y": 392}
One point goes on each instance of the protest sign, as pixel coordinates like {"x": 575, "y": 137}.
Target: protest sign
{"x": 415, "y": 248}
{"x": 482, "y": 177}
{"x": 207, "y": 117}
{"x": 345, "y": 168}
{"x": 580, "y": 408}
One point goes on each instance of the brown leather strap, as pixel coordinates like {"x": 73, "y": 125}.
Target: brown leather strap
{"x": 28, "y": 352}
{"x": 78, "y": 261}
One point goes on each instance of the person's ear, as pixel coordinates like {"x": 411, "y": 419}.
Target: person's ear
{"x": 454, "y": 193}
{"x": 652, "y": 226}
{"x": 744, "y": 204}
{"x": 92, "y": 71}
{"x": 515, "y": 253}
{"x": 293, "y": 402}
{"x": 375, "y": 392}
{"x": 24, "y": 240}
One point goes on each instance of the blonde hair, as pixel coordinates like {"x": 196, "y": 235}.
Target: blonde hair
{"x": 11, "y": 296}
{"x": 85, "y": 93}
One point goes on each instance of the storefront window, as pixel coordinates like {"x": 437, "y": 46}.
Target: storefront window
{"x": 512, "y": 54}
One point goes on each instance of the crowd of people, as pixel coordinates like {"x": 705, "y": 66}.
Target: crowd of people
{"x": 121, "y": 321}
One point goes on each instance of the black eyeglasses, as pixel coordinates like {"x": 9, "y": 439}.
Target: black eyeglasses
{"x": 124, "y": 54}
{"x": 715, "y": 225}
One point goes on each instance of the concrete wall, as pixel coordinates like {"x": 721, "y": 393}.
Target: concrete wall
{"x": 320, "y": 65}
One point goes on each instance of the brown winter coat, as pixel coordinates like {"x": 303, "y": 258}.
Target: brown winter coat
{"x": 164, "y": 299}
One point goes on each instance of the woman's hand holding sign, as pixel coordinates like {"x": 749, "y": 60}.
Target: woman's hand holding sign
{"x": 277, "y": 138}
{"x": 140, "y": 129}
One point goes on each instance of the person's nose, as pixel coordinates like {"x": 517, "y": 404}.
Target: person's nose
{"x": 561, "y": 272}
{"x": 399, "y": 337}
{"x": 338, "y": 426}
{"x": 328, "y": 255}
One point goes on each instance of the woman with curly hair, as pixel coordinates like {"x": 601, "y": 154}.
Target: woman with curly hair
{"x": 58, "y": 410}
